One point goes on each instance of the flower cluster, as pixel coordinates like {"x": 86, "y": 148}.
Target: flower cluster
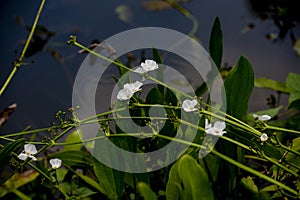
{"x": 130, "y": 88}
{"x": 30, "y": 150}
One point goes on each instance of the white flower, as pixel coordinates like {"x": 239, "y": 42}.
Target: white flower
{"x": 128, "y": 90}
{"x": 264, "y": 137}
{"x": 189, "y": 106}
{"x": 140, "y": 70}
{"x": 147, "y": 66}
{"x": 55, "y": 163}
{"x": 29, "y": 150}
{"x": 124, "y": 94}
{"x": 207, "y": 124}
{"x": 133, "y": 87}
{"x": 262, "y": 117}
{"x": 216, "y": 129}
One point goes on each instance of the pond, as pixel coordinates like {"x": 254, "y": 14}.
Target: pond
{"x": 44, "y": 85}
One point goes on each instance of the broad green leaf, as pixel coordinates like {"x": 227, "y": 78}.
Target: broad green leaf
{"x": 74, "y": 158}
{"x": 83, "y": 192}
{"x": 110, "y": 179}
{"x": 174, "y": 189}
{"x": 146, "y": 191}
{"x": 293, "y": 85}
{"x": 8, "y": 149}
{"x": 213, "y": 162}
{"x": 293, "y": 82}
{"x": 250, "y": 186}
{"x": 73, "y": 137}
{"x": 270, "y": 188}
{"x": 294, "y": 100}
{"x": 17, "y": 180}
{"x": 61, "y": 174}
{"x": 90, "y": 181}
{"x": 195, "y": 181}
{"x": 271, "y": 84}
{"x": 294, "y": 158}
{"x": 238, "y": 86}
{"x": 156, "y": 56}
{"x": 160, "y": 70}
{"x": 216, "y": 43}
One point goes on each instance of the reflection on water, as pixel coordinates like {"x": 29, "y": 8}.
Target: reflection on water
{"x": 43, "y": 88}
{"x": 284, "y": 14}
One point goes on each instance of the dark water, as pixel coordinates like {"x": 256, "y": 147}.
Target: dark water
{"x": 44, "y": 87}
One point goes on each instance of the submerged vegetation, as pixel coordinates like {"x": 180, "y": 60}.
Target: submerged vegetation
{"x": 257, "y": 155}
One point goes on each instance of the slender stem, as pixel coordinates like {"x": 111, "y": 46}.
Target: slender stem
{"x": 282, "y": 129}
{"x": 18, "y": 64}
{"x": 31, "y": 131}
{"x": 104, "y": 136}
{"x": 187, "y": 13}
{"x": 21, "y": 195}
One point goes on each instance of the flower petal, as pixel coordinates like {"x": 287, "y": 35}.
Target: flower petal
{"x": 22, "y": 156}
{"x": 220, "y": 125}
{"x": 189, "y": 106}
{"x": 140, "y": 70}
{"x": 32, "y": 157}
{"x": 55, "y": 163}
{"x": 124, "y": 94}
{"x": 265, "y": 117}
{"x": 207, "y": 124}
{"x": 30, "y": 148}
{"x": 149, "y": 65}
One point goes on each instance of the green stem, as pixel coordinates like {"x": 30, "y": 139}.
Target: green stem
{"x": 21, "y": 195}
{"x": 18, "y": 64}
{"x": 31, "y": 131}
{"x": 282, "y": 129}
{"x": 188, "y": 14}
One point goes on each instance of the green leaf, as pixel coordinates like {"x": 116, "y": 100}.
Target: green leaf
{"x": 75, "y": 136}
{"x": 17, "y": 180}
{"x": 160, "y": 70}
{"x": 216, "y": 43}
{"x": 174, "y": 189}
{"x": 293, "y": 82}
{"x": 293, "y": 85}
{"x": 293, "y": 158}
{"x": 74, "y": 158}
{"x": 146, "y": 191}
{"x": 195, "y": 181}
{"x": 271, "y": 84}
{"x": 251, "y": 188}
{"x": 238, "y": 86}
{"x": 110, "y": 179}
{"x": 8, "y": 149}
{"x": 90, "y": 181}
